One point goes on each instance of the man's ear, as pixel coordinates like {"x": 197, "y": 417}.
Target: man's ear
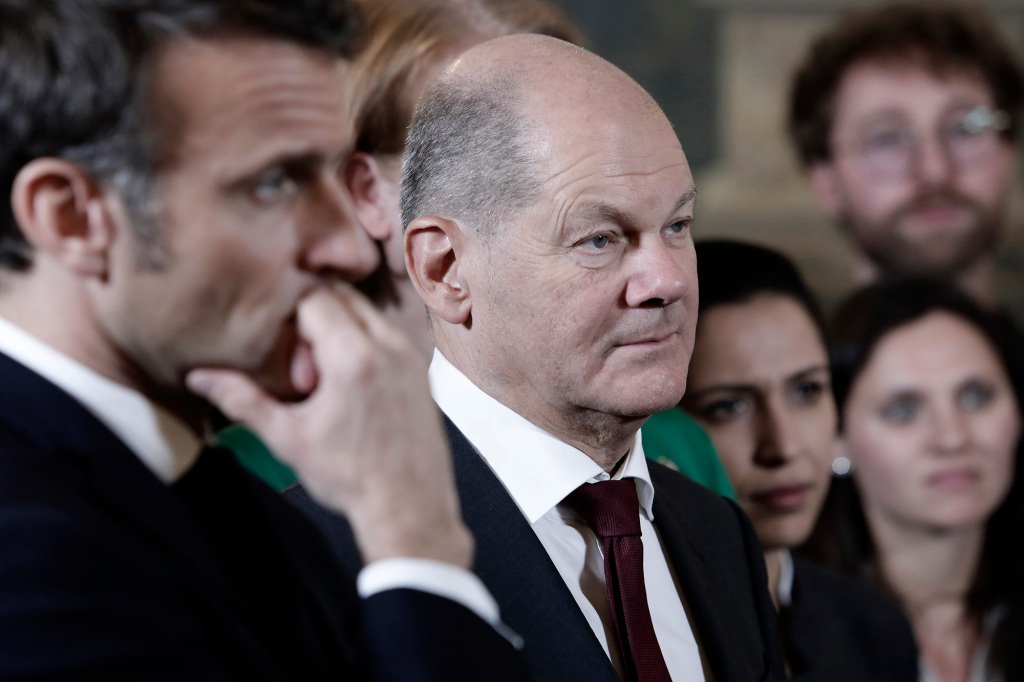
{"x": 62, "y": 212}
{"x": 433, "y": 247}
{"x": 825, "y": 186}
{"x": 365, "y": 182}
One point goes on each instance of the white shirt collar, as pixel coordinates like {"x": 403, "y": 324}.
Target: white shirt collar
{"x": 158, "y": 438}
{"x": 536, "y": 468}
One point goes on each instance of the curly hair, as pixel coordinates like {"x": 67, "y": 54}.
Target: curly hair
{"x": 939, "y": 38}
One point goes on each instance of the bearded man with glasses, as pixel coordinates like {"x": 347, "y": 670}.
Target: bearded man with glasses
{"x": 904, "y": 119}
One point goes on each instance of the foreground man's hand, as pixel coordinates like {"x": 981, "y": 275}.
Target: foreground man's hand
{"x": 368, "y": 440}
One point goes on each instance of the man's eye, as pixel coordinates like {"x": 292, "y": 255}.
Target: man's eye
{"x": 888, "y": 140}
{"x": 962, "y": 131}
{"x": 599, "y": 241}
{"x": 273, "y": 185}
{"x": 679, "y": 226}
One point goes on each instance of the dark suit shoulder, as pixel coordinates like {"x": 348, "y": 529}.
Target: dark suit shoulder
{"x": 82, "y": 597}
{"x": 842, "y": 628}
{"x": 713, "y": 517}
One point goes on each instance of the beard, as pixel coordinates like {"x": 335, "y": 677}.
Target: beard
{"x": 943, "y": 251}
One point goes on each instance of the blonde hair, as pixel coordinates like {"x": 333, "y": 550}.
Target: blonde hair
{"x": 406, "y": 41}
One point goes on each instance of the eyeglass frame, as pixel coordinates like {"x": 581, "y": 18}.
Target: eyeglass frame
{"x": 986, "y": 121}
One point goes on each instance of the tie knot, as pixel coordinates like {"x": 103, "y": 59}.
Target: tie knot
{"x": 610, "y": 508}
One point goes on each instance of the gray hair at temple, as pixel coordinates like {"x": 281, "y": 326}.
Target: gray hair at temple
{"x": 467, "y": 155}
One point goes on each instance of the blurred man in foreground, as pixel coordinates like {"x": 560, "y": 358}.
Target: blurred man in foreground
{"x": 176, "y": 217}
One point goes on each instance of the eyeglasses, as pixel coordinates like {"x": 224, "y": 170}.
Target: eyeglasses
{"x": 968, "y": 138}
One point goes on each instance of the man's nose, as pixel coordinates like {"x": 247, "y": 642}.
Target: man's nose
{"x": 662, "y": 275}
{"x": 336, "y": 242}
{"x": 933, "y": 164}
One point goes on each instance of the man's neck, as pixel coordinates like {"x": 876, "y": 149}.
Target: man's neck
{"x": 66, "y": 326}
{"x": 603, "y": 437}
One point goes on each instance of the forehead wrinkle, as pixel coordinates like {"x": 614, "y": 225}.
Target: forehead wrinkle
{"x": 600, "y": 211}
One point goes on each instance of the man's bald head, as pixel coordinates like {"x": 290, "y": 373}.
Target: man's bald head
{"x": 481, "y": 133}
{"x": 548, "y": 206}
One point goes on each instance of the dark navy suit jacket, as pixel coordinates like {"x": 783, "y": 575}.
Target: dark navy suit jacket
{"x": 839, "y": 629}
{"x": 105, "y": 574}
{"x": 709, "y": 544}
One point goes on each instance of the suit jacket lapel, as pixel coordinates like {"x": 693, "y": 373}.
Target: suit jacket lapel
{"x": 58, "y": 424}
{"x": 123, "y": 482}
{"x": 709, "y": 606}
{"x": 516, "y": 568}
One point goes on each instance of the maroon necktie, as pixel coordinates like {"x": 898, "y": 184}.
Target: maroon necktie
{"x": 612, "y": 511}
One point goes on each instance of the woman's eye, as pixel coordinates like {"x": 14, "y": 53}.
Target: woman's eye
{"x": 901, "y": 411}
{"x": 723, "y": 410}
{"x": 808, "y": 392}
{"x": 975, "y": 396}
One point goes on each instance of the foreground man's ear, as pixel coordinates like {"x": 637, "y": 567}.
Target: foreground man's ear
{"x": 432, "y": 257}
{"x": 63, "y": 213}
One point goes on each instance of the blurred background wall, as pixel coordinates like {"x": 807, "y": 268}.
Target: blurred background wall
{"x": 721, "y": 70}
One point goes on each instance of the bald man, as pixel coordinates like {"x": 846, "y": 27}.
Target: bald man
{"x": 548, "y": 206}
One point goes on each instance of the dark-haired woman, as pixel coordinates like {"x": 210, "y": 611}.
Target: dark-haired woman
{"x": 931, "y": 422}
{"x": 759, "y": 383}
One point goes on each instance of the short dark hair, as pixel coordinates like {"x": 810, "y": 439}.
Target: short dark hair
{"x": 842, "y": 537}
{"x": 467, "y": 152}
{"x": 940, "y": 38}
{"x": 734, "y": 272}
{"x": 74, "y": 82}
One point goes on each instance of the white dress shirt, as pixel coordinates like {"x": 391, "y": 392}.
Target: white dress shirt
{"x": 539, "y": 471}
{"x": 169, "y": 448}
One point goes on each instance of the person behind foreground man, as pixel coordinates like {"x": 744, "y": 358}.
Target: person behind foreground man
{"x": 904, "y": 119}
{"x": 409, "y": 42}
{"x": 929, "y": 398}
{"x": 547, "y": 206}
{"x": 759, "y": 383}
{"x": 175, "y": 205}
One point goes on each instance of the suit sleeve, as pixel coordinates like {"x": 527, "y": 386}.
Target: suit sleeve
{"x": 414, "y": 635}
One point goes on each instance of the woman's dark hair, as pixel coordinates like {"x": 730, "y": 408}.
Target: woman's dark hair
{"x": 841, "y": 537}
{"x": 735, "y": 272}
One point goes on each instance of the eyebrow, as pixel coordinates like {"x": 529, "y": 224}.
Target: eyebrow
{"x": 751, "y": 388}
{"x": 603, "y": 212}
